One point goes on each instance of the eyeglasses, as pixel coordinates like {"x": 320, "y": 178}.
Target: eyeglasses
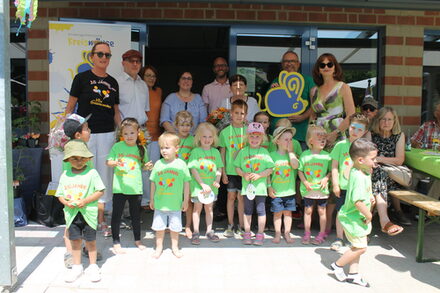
{"x": 387, "y": 120}
{"x": 323, "y": 65}
{"x": 133, "y": 61}
{"x": 102, "y": 54}
{"x": 186, "y": 78}
{"x": 290, "y": 61}
{"x": 368, "y": 108}
{"x": 149, "y": 76}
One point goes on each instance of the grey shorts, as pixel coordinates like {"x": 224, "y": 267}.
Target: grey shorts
{"x": 79, "y": 229}
{"x": 234, "y": 183}
{"x": 167, "y": 219}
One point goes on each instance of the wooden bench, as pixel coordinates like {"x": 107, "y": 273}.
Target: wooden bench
{"x": 429, "y": 207}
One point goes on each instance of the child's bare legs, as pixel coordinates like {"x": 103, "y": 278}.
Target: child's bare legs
{"x": 287, "y": 226}
{"x": 209, "y": 215}
{"x": 307, "y": 218}
{"x": 339, "y": 229}
{"x": 352, "y": 257}
{"x": 329, "y": 215}
{"x": 240, "y": 209}
{"x": 322, "y": 218}
{"x": 91, "y": 247}
{"x": 261, "y": 224}
{"x": 277, "y": 218}
{"x": 76, "y": 251}
{"x": 159, "y": 243}
{"x": 196, "y": 216}
{"x": 175, "y": 244}
{"x": 248, "y": 222}
{"x": 232, "y": 195}
{"x": 101, "y": 207}
{"x": 188, "y": 216}
{"x": 67, "y": 241}
{"x": 382, "y": 210}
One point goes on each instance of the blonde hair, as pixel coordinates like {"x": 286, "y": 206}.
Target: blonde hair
{"x": 375, "y": 126}
{"x": 246, "y": 138}
{"x": 283, "y": 122}
{"x": 170, "y": 137}
{"x": 205, "y": 126}
{"x": 183, "y": 115}
{"x": 132, "y": 122}
{"x": 311, "y": 131}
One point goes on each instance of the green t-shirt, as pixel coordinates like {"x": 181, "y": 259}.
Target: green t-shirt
{"x": 185, "y": 147}
{"x": 315, "y": 167}
{"x": 232, "y": 139}
{"x": 127, "y": 176}
{"x": 254, "y": 161}
{"x": 206, "y": 163}
{"x": 301, "y": 127}
{"x": 268, "y": 144}
{"x": 297, "y": 147}
{"x": 169, "y": 179}
{"x": 283, "y": 176}
{"x": 359, "y": 189}
{"x": 341, "y": 154}
{"x": 78, "y": 186}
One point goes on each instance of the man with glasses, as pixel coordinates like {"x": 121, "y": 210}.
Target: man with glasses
{"x": 218, "y": 90}
{"x": 290, "y": 63}
{"x": 369, "y": 107}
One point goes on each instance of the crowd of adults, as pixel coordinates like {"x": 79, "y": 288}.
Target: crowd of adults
{"x": 135, "y": 93}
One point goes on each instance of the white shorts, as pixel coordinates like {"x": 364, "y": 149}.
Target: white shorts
{"x": 164, "y": 219}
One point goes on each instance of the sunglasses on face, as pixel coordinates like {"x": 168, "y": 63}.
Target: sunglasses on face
{"x": 102, "y": 54}
{"x": 323, "y": 65}
{"x": 368, "y": 108}
{"x": 133, "y": 61}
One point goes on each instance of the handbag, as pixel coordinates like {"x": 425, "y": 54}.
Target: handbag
{"x": 400, "y": 174}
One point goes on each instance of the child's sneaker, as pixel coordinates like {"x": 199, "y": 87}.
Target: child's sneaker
{"x": 337, "y": 244}
{"x": 259, "y": 239}
{"x": 74, "y": 273}
{"x": 93, "y": 273}
{"x": 68, "y": 260}
{"x": 240, "y": 232}
{"x": 339, "y": 272}
{"x": 247, "y": 240}
{"x": 306, "y": 238}
{"x": 229, "y": 232}
{"x": 357, "y": 279}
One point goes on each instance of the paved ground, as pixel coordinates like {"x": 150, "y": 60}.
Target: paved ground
{"x": 228, "y": 266}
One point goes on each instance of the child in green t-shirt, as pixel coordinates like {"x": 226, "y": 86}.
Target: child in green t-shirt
{"x": 79, "y": 189}
{"x": 128, "y": 157}
{"x": 231, "y": 142}
{"x": 314, "y": 172}
{"x": 341, "y": 166}
{"x": 206, "y": 167}
{"x": 254, "y": 164}
{"x": 264, "y": 118}
{"x": 169, "y": 181}
{"x": 355, "y": 215}
{"x": 183, "y": 124}
{"x": 282, "y": 182}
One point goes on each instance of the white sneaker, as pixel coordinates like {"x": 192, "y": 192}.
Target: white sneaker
{"x": 339, "y": 272}
{"x": 229, "y": 232}
{"x": 93, "y": 273}
{"x": 357, "y": 279}
{"x": 74, "y": 273}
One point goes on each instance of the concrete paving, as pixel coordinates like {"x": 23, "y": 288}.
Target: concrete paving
{"x": 228, "y": 266}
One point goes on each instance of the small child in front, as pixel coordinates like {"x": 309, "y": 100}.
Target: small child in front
{"x": 314, "y": 172}
{"x": 355, "y": 215}
{"x": 79, "y": 189}
{"x": 169, "y": 181}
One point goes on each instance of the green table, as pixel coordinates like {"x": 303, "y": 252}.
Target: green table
{"x": 418, "y": 159}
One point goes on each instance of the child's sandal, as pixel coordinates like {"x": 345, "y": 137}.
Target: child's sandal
{"x": 211, "y": 236}
{"x": 247, "y": 239}
{"x": 259, "y": 239}
{"x": 306, "y": 238}
{"x": 195, "y": 240}
{"x": 319, "y": 239}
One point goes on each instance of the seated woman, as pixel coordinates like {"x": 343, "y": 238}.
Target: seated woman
{"x": 390, "y": 142}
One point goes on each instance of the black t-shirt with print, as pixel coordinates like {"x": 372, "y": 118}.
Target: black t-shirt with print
{"x": 96, "y": 95}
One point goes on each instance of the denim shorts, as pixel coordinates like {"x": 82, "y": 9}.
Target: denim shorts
{"x": 340, "y": 200}
{"x": 308, "y": 202}
{"x": 234, "y": 183}
{"x": 80, "y": 229}
{"x": 285, "y": 203}
{"x": 164, "y": 219}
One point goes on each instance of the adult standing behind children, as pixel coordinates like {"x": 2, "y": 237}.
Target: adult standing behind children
{"x": 215, "y": 92}
{"x": 97, "y": 93}
{"x": 290, "y": 63}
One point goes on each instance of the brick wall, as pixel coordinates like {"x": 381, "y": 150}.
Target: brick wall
{"x": 403, "y": 40}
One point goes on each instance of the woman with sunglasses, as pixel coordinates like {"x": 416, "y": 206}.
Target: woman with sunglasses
{"x": 97, "y": 93}
{"x": 181, "y": 100}
{"x": 332, "y": 100}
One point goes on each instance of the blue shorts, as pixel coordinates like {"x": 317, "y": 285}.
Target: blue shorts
{"x": 308, "y": 202}
{"x": 340, "y": 200}
{"x": 234, "y": 183}
{"x": 164, "y": 219}
{"x": 285, "y": 203}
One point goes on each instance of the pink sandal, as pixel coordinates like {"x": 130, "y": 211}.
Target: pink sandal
{"x": 247, "y": 239}
{"x": 306, "y": 238}
{"x": 319, "y": 239}
{"x": 259, "y": 239}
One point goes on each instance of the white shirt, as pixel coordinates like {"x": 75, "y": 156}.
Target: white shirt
{"x": 214, "y": 93}
{"x": 134, "y": 100}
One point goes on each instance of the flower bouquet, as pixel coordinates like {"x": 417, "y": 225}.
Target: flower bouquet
{"x": 57, "y": 138}
{"x": 220, "y": 118}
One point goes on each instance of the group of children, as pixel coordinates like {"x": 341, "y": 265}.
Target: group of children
{"x": 251, "y": 163}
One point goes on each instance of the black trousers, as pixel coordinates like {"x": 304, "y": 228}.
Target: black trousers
{"x": 134, "y": 203}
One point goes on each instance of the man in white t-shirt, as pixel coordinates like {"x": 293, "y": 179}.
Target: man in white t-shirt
{"x": 218, "y": 90}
